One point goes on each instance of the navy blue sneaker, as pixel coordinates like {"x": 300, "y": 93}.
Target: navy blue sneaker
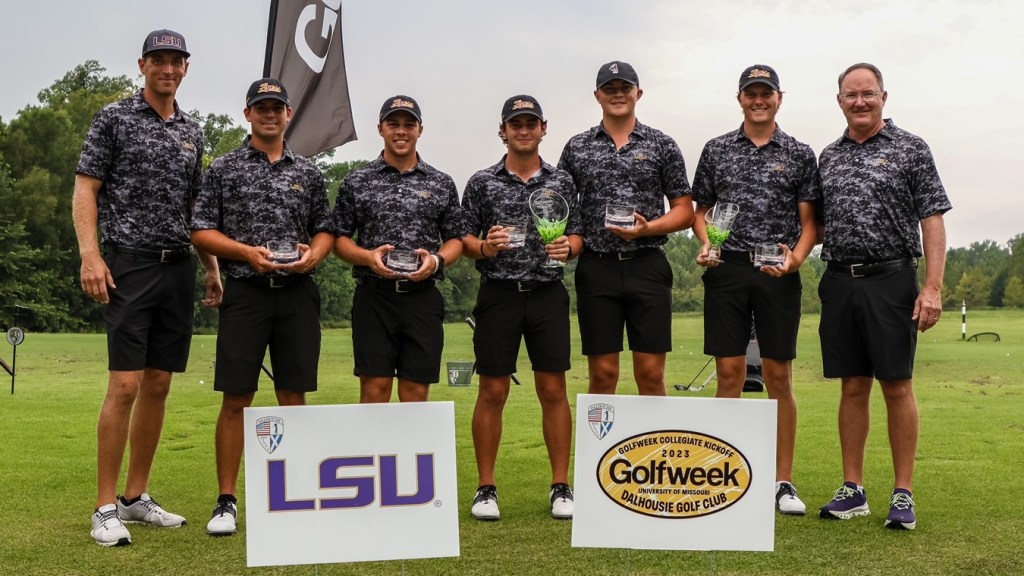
{"x": 901, "y": 511}
{"x": 849, "y": 501}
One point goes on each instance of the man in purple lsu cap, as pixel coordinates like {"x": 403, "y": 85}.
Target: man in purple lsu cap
{"x": 137, "y": 178}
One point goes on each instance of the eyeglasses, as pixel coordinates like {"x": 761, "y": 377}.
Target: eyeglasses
{"x": 865, "y": 96}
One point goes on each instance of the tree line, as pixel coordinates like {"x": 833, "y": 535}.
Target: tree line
{"x": 39, "y": 263}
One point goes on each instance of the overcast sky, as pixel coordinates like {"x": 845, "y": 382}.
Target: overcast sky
{"x": 954, "y": 71}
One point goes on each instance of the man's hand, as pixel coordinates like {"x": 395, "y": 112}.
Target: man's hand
{"x": 96, "y": 278}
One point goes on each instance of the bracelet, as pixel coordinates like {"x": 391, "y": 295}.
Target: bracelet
{"x": 569, "y": 257}
{"x": 482, "y": 253}
{"x": 439, "y": 262}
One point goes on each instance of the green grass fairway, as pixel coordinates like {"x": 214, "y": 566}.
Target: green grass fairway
{"x": 969, "y": 491}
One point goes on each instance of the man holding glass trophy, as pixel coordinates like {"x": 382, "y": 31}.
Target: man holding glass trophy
{"x": 755, "y": 189}
{"x": 624, "y": 171}
{"x": 521, "y": 294}
{"x": 263, "y": 211}
{"x": 399, "y": 225}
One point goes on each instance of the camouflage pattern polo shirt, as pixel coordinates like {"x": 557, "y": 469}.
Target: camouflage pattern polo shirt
{"x": 379, "y": 205}
{"x": 643, "y": 173}
{"x": 151, "y": 172}
{"x": 875, "y": 194}
{"x": 768, "y": 183}
{"x": 495, "y": 195}
{"x": 252, "y": 200}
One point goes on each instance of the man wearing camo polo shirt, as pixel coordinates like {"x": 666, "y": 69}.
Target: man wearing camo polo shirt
{"x": 138, "y": 175}
{"x": 881, "y": 192}
{"x": 253, "y": 197}
{"x": 519, "y": 298}
{"x": 398, "y": 202}
{"x": 623, "y": 277}
{"x": 774, "y": 180}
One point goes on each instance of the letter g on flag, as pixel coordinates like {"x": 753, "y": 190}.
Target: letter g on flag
{"x": 330, "y": 20}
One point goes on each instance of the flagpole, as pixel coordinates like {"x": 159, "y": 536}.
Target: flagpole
{"x": 271, "y": 25}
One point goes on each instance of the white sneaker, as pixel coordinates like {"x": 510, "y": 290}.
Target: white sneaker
{"x": 561, "y": 501}
{"x": 146, "y": 511}
{"x": 485, "y": 505}
{"x": 787, "y": 500}
{"x": 224, "y": 521}
{"x": 107, "y": 528}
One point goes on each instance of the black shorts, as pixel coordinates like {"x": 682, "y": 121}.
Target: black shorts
{"x": 736, "y": 293}
{"x": 507, "y": 312}
{"x": 149, "y": 316}
{"x": 397, "y": 333}
{"x": 636, "y": 292}
{"x": 866, "y": 324}
{"x": 255, "y": 316}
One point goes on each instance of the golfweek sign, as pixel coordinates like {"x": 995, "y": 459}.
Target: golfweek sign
{"x": 674, "y": 473}
{"x": 350, "y": 483}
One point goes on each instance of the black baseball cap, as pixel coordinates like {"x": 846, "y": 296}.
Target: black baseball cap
{"x": 519, "y": 105}
{"x": 164, "y": 40}
{"x": 400, "y": 103}
{"x": 759, "y": 73}
{"x": 266, "y": 89}
{"x": 617, "y": 71}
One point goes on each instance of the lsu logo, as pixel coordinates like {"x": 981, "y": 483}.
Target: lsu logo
{"x": 296, "y": 187}
{"x": 881, "y": 162}
{"x": 424, "y": 194}
{"x": 355, "y": 482}
{"x": 640, "y": 157}
{"x": 168, "y": 41}
{"x": 674, "y": 474}
{"x": 270, "y": 432}
{"x": 600, "y": 417}
{"x": 778, "y": 168}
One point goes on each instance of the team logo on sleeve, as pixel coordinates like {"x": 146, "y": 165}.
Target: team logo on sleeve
{"x": 600, "y": 417}
{"x": 270, "y": 432}
{"x": 297, "y": 187}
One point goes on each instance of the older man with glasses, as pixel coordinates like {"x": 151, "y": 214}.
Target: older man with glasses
{"x": 880, "y": 187}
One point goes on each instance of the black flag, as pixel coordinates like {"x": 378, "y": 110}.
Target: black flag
{"x": 304, "y": 52}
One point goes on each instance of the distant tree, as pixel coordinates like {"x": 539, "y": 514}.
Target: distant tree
{"x": 1014, "y": 295}
{"x": 974, "y": 287}
{"x": 220, "y": 135}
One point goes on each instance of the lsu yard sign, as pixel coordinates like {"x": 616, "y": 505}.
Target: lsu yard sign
{"x": 348, "y": 483}
{"x": 675, "y": 473}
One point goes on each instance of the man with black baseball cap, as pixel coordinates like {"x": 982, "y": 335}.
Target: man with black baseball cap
{"x": 623, "y": 277}
{"x": 519, "y": 298}
{"x": 400, "y": 203}
{"x": 773, "y": 178}
{"x": 252, "y": 199}
{"x": 138, "y": 175}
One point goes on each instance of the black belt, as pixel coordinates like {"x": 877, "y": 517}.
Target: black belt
{"x": 626, "y": 255}
{"x": 162, "y": 255}
{"x": 519, "y": 285}
{"x": 736, "y": 256}
{"x": 871, "y": 268}
{"x": 400, "y": 286}
{"x": 273, "y": 281}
